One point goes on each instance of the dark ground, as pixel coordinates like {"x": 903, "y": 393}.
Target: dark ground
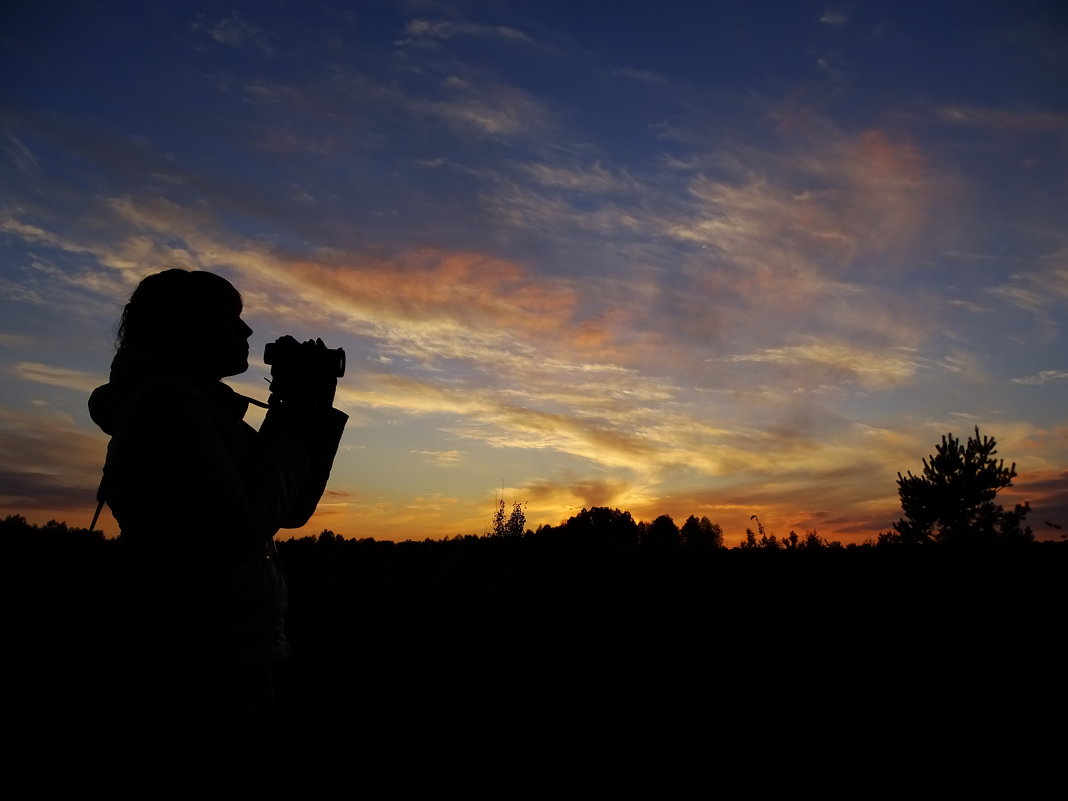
{"x": 519, "y": 668}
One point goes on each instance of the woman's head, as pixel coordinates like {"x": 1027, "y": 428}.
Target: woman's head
{"x": 192, "y": 315}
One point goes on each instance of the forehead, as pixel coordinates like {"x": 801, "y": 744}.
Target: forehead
{"x": 221, "y": 307}
{"x": 218, "y": 296}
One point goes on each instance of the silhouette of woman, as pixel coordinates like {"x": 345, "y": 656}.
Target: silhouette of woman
{"x": 198, "y": 495}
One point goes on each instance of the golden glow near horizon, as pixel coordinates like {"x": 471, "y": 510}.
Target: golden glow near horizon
{"x": 765, "y": 296}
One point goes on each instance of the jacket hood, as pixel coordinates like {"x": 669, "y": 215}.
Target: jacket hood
{"x": 143, "y": 372}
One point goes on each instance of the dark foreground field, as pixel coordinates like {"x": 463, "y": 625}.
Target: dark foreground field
{"x": 518, "y": 668}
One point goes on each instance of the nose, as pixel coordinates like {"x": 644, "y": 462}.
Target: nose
{"x": 245, "y": 330}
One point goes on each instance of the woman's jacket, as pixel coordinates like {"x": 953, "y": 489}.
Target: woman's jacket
{"x": 199, "y": 494}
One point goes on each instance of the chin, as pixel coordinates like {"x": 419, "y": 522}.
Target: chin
{"x": 235, "y": 368}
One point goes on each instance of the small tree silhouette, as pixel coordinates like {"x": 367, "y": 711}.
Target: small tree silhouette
{"x": 517, "y": 521}
{"x": 953, "y": 501}
{"x": 514, "y": 525}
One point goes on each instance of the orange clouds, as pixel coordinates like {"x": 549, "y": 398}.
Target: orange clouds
{"x": 434, "y": 283}
{"x": 455, "y": 305}
{"x": 890, "y": 161}
{"x": 894, "y": 193}
{"x": 869, "y": 194}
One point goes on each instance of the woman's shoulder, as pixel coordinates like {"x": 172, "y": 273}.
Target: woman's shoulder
{"x": 181, "y": 404}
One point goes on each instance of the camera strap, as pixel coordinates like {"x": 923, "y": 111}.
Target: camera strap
{"x": 100, "y": 496}
{"x": 255, "y": 402}
{"x": 96, "y": 515}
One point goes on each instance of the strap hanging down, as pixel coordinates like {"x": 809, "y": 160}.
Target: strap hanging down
{"x": 96, "y": 515}
{"x": 100, "y": 496}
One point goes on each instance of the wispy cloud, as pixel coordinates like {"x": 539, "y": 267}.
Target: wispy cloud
{"x": 1042, "y": 378}
{"x": 832, "y": 65}
{"x": 484, "y": 416}
{"x": 235, "y": 31}
{"x": 16, "y": 341}
{"x": 642, "y": 76}
{"x": 447, "y": 29}
{"x": 18, "y": 153}
{"x": 593, "y": 179}
{"x": 488, "y": 111}
{"x": 871, "y": 369}
{"x": 56, "y": 376}
{"x": 444, "y": 458}
{"x": 1024, "y": 121}
{"x": 1040, "y": 291}
{"x": 132, "y": 255}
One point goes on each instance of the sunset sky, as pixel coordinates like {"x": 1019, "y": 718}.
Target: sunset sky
{"x": 712, "y": 258}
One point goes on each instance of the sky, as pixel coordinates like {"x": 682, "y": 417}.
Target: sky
{"x": 713, "y": 258}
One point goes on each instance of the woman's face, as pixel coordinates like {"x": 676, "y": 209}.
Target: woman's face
{"x": 224, "y": 342}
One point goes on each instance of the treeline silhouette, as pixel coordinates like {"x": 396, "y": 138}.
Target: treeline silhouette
{"x": 596, "y": 657}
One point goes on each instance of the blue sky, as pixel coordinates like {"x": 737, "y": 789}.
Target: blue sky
{"x": 680, "y": 258}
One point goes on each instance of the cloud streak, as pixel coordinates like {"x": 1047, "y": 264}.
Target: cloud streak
{"x": 51, "y": 375}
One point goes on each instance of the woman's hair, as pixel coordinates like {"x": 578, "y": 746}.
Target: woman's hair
{"x": 166, "y": 307}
